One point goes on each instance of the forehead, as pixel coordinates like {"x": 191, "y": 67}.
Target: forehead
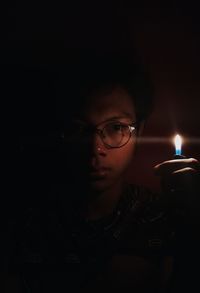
{"x": 108, "y": 103}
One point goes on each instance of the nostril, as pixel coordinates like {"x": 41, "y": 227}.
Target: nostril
{"x": 98, "y": 147}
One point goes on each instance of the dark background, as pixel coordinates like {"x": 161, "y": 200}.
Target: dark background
{"x": 36, "y": 37}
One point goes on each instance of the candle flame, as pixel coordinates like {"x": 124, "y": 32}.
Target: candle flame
{"x": 178, "y": 144}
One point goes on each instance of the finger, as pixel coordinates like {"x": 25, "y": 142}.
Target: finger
{"x": 170, "y": 166}
{"x": 185, "y": 171}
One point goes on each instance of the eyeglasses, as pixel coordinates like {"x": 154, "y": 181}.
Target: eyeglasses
{"x": 114, "y": 134}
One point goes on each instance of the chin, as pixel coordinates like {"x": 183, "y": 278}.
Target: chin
{"x": 101, "y": 185}
{"x": 99, "y": 189}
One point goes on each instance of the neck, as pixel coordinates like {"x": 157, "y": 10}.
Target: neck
{"x": 102, "y": 203}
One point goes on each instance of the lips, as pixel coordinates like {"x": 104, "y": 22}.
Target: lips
{"x": 96, "y": 168}
{"x": 98, "y": 172}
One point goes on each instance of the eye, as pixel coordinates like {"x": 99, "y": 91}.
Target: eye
{"x": 115, "y": 127}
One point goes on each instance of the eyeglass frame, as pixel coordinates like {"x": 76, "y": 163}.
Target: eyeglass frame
{"x": 131, "y": 127}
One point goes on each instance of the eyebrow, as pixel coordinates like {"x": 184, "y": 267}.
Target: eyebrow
{"x": 111, "y": 118}
{"x": 125, "y": 115}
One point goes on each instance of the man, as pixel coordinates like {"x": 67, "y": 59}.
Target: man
{"x": 95, "y": 232}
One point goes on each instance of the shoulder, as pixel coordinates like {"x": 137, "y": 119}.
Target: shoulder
{"x": 147, "y": 204}
{"x": 31, "y": 231}
{"x": 148, "y": 224}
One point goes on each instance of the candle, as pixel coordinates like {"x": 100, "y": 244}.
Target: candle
{"x": 178, "y": 145}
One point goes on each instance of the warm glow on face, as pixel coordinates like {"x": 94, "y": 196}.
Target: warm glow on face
{"x": 178, "y": 144}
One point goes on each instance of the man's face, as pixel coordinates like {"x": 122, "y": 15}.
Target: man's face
{"x": 99, "y": 165}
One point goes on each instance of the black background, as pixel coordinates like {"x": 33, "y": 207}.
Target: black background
{"x": 36, "y": 36}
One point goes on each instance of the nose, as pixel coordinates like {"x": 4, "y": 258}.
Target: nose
{"x": 98, "y": 148}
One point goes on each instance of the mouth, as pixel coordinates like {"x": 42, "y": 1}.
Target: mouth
{"x": 98, "y": 173}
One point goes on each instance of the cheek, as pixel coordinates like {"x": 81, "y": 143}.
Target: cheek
{"x": 123, "y": 156}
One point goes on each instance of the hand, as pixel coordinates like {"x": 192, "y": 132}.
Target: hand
{"x": 178, "y": 167}
{"x": 181, "y": 177}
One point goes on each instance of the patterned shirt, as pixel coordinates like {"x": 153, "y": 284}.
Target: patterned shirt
{"x": 58, "y": 250}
